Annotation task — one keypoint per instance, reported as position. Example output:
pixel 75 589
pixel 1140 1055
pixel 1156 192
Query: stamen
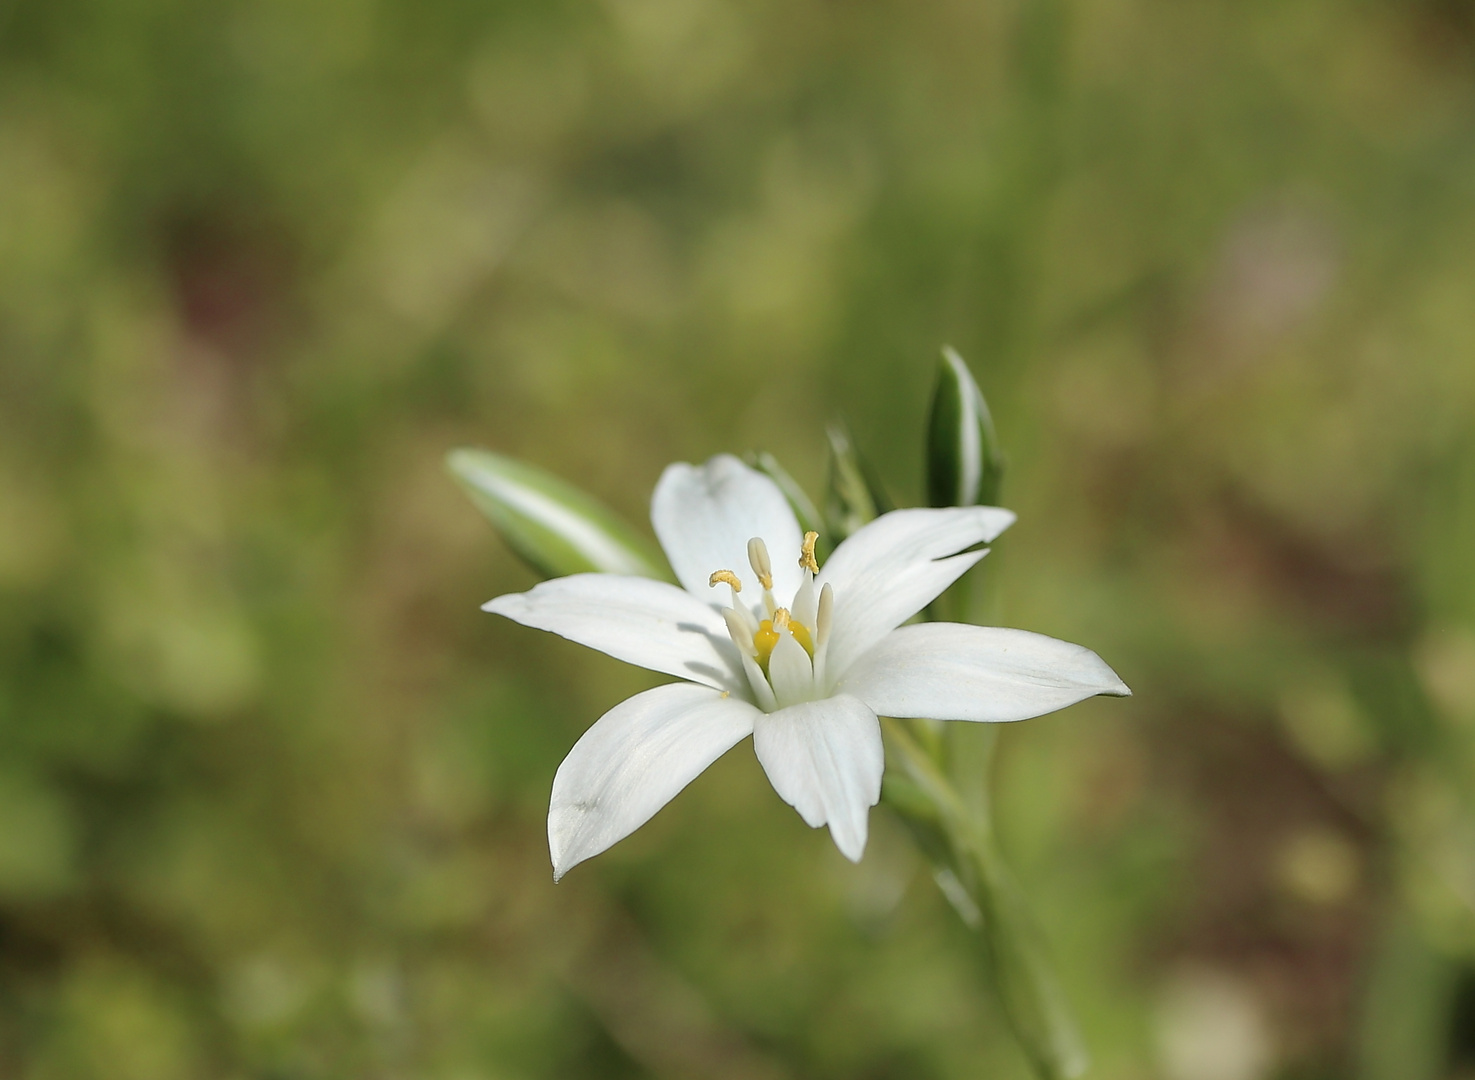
pixel 741 632
pixel 758 680
pixel 824 618
pixel 726 577
pixel 762 565
pixel 806 556
pixel 808 623
pixel 803 607
pixel 742 612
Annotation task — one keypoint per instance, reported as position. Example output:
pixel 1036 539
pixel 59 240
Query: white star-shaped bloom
pixel 802 658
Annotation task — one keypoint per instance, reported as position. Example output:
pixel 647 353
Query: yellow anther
pixel 781 619
pixel 806 557
pixel 725 577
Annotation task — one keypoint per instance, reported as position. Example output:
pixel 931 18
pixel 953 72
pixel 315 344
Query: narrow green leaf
pixel 855 493
pixel 958 895
pixel 556 527
pixel 965 466
pixel 803 506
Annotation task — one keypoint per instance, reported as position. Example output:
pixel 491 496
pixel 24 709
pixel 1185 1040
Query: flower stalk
pixel 943 792
pixel 972 875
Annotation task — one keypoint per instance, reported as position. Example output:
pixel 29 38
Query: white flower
pixel 802 658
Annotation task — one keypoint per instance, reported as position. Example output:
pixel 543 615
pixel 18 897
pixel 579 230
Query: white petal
pixel 705 515
pixel 824 758
pixel 947 671
pixel 791 672
pixel 633 761
pixel 897 565
pixel 648 623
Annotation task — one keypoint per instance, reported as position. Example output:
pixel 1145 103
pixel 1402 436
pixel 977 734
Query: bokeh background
pixel 272 789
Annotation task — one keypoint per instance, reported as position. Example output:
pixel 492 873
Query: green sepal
pixel 555 527
pixel 855 495
pixel 965 466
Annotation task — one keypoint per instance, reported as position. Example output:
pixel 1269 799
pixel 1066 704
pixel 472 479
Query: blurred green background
pixel 272 789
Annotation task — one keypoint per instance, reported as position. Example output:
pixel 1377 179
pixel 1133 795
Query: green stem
pixel 973 875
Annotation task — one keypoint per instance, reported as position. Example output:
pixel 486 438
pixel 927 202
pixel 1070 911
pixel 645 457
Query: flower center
pixel 798 674
pixel 770 630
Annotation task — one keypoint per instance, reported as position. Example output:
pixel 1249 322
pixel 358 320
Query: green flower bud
pixel 964 464
pixel 553 525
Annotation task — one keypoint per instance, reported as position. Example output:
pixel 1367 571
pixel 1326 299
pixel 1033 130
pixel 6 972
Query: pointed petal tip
pixel 850 851
pixel 558 855
pixel 508 605
pixel 850 840
pixel 954 671
pixel 998 519
pixel 1115 687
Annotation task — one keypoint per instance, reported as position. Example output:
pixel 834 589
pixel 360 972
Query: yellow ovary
pixel 769 631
